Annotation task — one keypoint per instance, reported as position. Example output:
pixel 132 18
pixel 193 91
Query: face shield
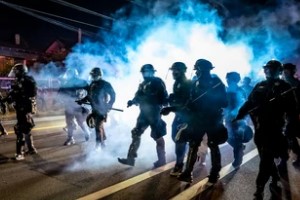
pixel 147 74
pixel 11 74
pixel 95 77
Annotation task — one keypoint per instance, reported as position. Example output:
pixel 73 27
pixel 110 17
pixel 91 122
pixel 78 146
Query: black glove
pixel 79 101
pixel 130 103
pixel 166 110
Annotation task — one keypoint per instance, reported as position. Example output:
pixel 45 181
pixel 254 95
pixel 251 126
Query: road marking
pixel 199 187
pixel 187 194
pixel 41 128
pixel 127 183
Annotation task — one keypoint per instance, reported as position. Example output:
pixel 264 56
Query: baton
pixel 115 109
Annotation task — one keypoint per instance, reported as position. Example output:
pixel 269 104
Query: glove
pixel 79 102
pixel 165 110
pixel 130 103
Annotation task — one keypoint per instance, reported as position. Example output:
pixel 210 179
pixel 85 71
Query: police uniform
pixel 150 96
pixel 23 94
pixel 208 98
pixel 270 102
pixel 179 98
pixel 102 96
pixel 295 132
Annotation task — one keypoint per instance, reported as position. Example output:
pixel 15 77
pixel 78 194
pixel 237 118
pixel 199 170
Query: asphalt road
pixel 81 172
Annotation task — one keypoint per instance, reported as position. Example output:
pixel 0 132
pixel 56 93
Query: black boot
pixel 127 161
pixel 132 152
pixel 187 176
pixel 238 153
pixel 259 194
pixel 216 164
pixel 161 153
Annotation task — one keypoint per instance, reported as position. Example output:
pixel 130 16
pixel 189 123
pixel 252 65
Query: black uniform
pixel 150 96
pixel 268 104
pixel 23 95
pixel 288 75
pixel 179 98
pixel 68 93
pixel 102 96
pixel 208 98
pixel 3 111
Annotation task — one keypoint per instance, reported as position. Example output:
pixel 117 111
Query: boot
pixel 127 161
pixel 187 176
pixel 216 164
pixel 259 193
pixel 238 153
pixel 176 171
pixel 161 154
pixel 132 152
pixel 69 141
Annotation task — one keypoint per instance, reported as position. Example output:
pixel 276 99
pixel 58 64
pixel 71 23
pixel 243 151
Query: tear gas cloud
pixel 187 32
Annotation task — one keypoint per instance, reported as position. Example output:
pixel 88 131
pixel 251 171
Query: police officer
pixel 208 98
pixel 3 110
pixel 236 97
pixel 69 91
pixel 289 71
pixel 246 85
pixel 268 104
pixel 23 94
pixel 101 96
pixel 150 96
pixel 179 98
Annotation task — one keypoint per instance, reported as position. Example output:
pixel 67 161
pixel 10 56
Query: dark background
pixel 37 34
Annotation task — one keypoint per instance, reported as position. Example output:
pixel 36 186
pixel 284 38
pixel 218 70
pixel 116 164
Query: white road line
pixel 41 128
pixel 187 194
pixel 200 186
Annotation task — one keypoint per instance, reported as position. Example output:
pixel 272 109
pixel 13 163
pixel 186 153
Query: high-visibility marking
pixel 186 194
pixel 201 186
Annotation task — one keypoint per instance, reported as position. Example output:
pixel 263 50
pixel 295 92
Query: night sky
pixel 38 34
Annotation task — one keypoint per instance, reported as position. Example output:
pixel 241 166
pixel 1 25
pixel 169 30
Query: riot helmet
pixel 96 73
pixel 289 70
pixel 233 77
pixel 290 67
pixel 148 71
pixel 180 66
pixel 272 69
pixel 18 70
pixel 203 65
pixel 246 80
pixel 178 69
